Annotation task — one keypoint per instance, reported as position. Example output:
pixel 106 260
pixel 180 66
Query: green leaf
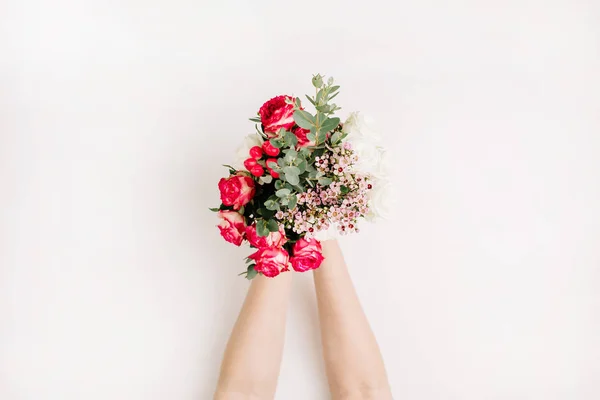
pixel 291 170
pixel 311 136
pixel 215 209
pixel 257 120
pixel 276 143
pixel 292 178
pixel 272 205
pixel 333 88
pixel 320 95
pixel 292 202
pixel 273 165
pixel 333 97
pixel 273 226
pixel 302 166
pixel 266 178
pixel 241 210
pixel 283 192
pixel 291 139
pixel 251 272
pixel 317 81
pixel 324 108
pixel 321 137
pixel 324 181
pixel 304 119
pixel 228 166
pixel 335 138
pixel 261 227
pixel 311 100
pixel 267 214
pixel 330 124
pixel 298 104
pixel 330 81
pixel 279 184
pixel 344 189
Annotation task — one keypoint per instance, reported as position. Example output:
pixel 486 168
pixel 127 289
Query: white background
pixel 115 117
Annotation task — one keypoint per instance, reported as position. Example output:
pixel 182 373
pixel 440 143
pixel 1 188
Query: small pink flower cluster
pixel 340 203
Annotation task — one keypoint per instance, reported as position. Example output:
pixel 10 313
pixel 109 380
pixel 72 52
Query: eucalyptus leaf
pixel 283 192
pixel 291 170
pixel 273 165
pixel 257 120
pixel 292 178
pixel 304 119
pixel 324 181
pixel 330 124
pixel 261 227
pixel 311 137
pixel 311 100
pixel 317 81
pixel 302 166
pixel 215 209
pixel 293 202
pixel 335 138
pixel 251 272
pixel 321 137
pixel 272 205
pixel 279 184
pixel 273 226
pixel 266 179
pixel 276 143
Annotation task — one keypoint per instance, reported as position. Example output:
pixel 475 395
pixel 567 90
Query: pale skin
pixel 354 365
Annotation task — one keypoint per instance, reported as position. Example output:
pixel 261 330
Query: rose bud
pixel 256 152
pixel 250 163
pixel 269 149
pixel 257 170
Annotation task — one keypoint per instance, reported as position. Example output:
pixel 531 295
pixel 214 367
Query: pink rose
pixel 276 114
pixel 301 135
pixel 270 261
pixel 237 190
pixel 307 255
pixel 232 226
pixel 273 239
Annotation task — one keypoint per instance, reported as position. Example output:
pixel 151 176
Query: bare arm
pixel 354 365
pixel 253 355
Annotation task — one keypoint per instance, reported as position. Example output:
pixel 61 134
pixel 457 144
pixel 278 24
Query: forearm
pixel 354 365
pixel 252 358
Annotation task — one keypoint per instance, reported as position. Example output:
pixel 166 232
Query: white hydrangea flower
pixel 373 159
pixel 382 200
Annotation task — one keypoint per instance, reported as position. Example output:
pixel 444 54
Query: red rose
pixel 270 261
pixel 237 190
pixel 301 135
pixel 269 149
pixel 307 255
pixel 273 239
pixel 276 114
pixel 232 226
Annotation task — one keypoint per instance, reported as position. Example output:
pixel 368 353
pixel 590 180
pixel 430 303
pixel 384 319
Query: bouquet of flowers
pixel 301 178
